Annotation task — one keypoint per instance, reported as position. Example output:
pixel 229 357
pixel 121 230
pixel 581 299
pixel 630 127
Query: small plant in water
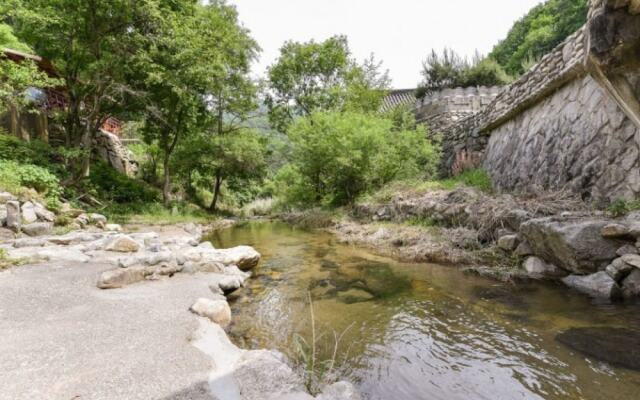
pixel 317 358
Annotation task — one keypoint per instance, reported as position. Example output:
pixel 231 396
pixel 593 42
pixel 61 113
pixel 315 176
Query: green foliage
pixel 108 184
pixel 476 178
pixel 15 79
pixel 10 41
pixel 17 177
pixel 338 156
pixel 449 70
pixel 538 32
pixel 622 207
pixel 313 77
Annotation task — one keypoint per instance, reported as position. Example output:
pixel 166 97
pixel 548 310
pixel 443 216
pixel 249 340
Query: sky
pixel 399 32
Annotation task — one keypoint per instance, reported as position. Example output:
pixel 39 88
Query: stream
pixel 420 331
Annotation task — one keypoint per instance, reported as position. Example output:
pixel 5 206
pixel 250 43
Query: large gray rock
pixel 43 214
pixel 339 391
pixel 29 215
pixel 616 346
pixel 14 218
pixel 571 243
pixel 118 278
pixel 244 257
pixel 230 284
pixel 618 269
pixel 5 197
pixel 217 311
pixel 627 249
pixel 97 218
pixel 264 374
pixel 632 259
pixel 538 269
pixel 614 230
pixel 631 284
pixel 599 285
pixel 37 228
pixel 3 215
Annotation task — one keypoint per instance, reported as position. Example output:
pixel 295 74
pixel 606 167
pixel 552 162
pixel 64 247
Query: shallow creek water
pixel 421 331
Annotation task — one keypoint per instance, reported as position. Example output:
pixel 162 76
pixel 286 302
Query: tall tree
pixel 195 77
pixel 89 43
pixel 311 77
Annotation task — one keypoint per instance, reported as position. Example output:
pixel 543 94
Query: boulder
pixel 230 284
pixel 508 242
pixel 43 214
pixel 631 284
pixel 113 228
pixel 632 259
pixel 614 231
pixel 97 219
pixel 339 391
pixel 523 250
pixel 5 197
pixel 13 220
pixel 617 346
pixel 618 269
pixel 82 220
pixel 265 375
pixel 3 215
pixel 515 218
pixel 627 249
pixel 28 213
pixel 123 244
pixel 244 257
pixel 571 243
pixel 37 228
pixel 598 285
pixel 538 269
pixel 118 278
pixel 217 311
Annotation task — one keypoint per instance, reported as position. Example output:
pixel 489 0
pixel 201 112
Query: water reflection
pixel 423 331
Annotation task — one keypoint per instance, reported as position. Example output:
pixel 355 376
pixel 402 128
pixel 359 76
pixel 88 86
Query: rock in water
pixel 617 346
pixel 619 269
pixel 574 244
pixel 631 284
pixel 537 269
pixel 217 311
pixel 123 244
pixel 13 220
pixel 230 284
pixel 599 285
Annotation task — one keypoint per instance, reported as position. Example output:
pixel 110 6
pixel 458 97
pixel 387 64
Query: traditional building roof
pixel 398 97
pixel 44 64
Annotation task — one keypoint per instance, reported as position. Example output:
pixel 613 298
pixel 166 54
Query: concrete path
pixel 63 338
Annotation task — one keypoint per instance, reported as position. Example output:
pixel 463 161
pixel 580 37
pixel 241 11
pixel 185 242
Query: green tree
pixel 195 77
pixel 450 70
pixel 542 29
pixel 337 156
pixel 311 77
pixel 90 43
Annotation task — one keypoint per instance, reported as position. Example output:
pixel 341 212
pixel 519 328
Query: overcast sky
pixel 398 32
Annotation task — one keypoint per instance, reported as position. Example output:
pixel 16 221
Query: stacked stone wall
pixel 572 121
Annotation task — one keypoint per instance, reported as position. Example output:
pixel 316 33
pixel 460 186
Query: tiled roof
pixel 399 97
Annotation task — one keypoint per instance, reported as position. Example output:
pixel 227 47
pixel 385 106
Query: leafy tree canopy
pixel 538 32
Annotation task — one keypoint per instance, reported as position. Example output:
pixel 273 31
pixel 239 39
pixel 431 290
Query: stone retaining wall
pixel 572 121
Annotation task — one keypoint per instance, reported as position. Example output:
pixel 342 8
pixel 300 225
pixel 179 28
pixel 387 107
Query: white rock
pixel 123 244
pixel 5 197
pixel 113 228
pixel 96 218
pixel 13 220
pixel 28 213
pixel 37 228
pixel 599 284
pixel 537 268
pixel 43 214
pixel 339 391
pixel 217 311
pixel 3 215
pixel 508 242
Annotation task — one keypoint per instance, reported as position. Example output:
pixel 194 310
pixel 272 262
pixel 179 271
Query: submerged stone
pixel 616 346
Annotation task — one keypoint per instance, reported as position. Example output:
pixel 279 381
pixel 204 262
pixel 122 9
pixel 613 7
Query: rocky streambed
pixel 104 314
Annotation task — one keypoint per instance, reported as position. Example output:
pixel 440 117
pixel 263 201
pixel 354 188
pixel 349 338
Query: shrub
pixel 109 184
pixel 16 178
pixel 338 156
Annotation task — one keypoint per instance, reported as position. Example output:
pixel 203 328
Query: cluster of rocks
pixel 596 255
pixel 34 219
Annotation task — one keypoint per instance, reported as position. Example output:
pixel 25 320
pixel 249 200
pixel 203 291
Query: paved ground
pixel 63 338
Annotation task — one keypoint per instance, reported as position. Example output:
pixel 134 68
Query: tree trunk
pixel 166 186
pixel 216 193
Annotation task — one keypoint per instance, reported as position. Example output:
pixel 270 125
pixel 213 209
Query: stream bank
pixel 549 236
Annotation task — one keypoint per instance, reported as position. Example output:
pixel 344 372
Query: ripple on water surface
pixel 422 331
